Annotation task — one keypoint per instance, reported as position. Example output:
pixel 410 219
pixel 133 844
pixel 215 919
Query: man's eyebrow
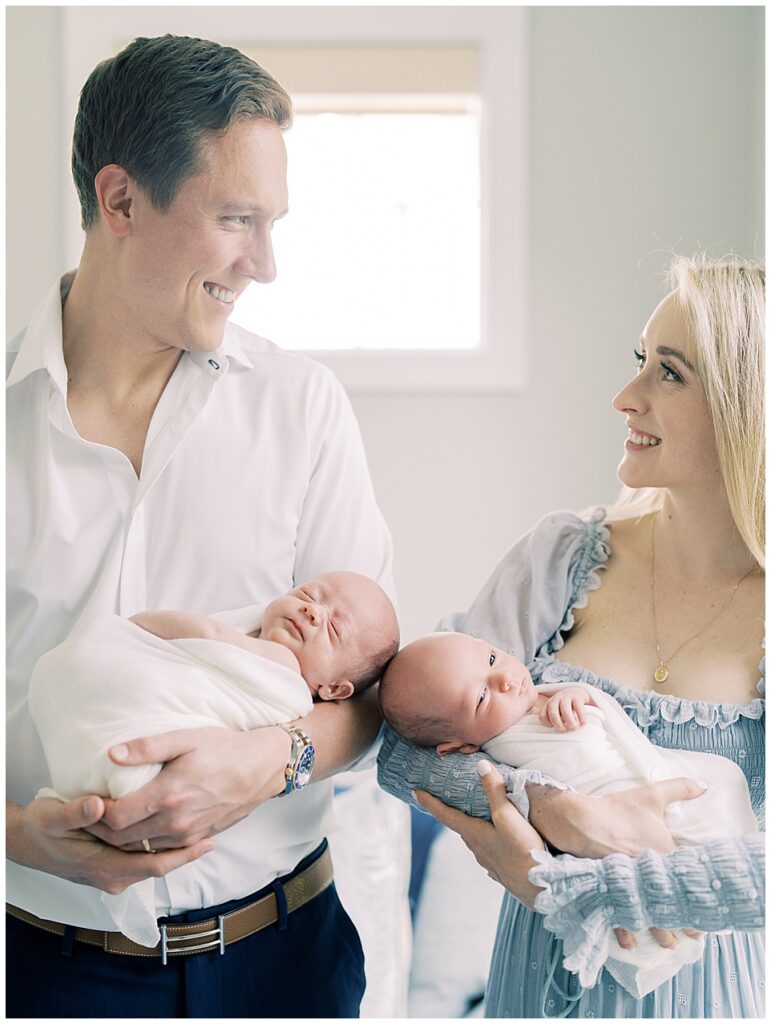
pixel 247 207
pixel 665 350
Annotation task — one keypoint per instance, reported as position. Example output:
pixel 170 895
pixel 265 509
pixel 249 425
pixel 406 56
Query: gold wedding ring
pixel 148 848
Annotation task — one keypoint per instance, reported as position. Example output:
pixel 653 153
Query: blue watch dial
pixel 304 767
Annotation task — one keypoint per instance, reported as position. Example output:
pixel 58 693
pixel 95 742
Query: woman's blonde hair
pixel 724 303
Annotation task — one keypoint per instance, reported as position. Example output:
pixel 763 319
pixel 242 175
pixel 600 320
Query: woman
pixel 673 629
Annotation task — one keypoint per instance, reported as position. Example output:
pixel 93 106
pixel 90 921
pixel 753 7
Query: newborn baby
pixel 456 693
pixel 117 679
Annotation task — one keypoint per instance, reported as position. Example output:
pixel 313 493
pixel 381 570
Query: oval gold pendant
pixel 661 674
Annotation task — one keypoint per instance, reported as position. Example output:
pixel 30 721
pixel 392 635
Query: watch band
pixel 301 759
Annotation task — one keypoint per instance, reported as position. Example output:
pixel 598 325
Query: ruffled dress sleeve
pixel 711 888
pixel 528 598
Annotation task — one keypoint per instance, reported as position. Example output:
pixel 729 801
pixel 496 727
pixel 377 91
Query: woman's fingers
pixel 448 816
pixel 692 933
pixel 665 938
pixel 625 938
pixel 493 785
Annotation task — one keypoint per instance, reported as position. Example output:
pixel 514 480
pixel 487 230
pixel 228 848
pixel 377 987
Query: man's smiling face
pixel 182 268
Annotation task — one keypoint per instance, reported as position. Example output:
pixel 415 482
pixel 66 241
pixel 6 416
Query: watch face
pixel 304 767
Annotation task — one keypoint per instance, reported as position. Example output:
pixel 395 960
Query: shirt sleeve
pixel 710 888
pixel 529 596
pixel 341 526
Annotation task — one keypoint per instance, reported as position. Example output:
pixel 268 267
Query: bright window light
pixel 381 248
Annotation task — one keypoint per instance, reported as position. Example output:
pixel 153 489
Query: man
pixel 159 457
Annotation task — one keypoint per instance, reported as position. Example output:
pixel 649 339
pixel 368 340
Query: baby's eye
pixel 482 696
pixel 492 658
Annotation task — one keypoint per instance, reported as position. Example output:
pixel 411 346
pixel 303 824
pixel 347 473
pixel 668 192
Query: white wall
pixel 645 134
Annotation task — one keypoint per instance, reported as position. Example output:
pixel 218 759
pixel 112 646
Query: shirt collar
pixel 41 344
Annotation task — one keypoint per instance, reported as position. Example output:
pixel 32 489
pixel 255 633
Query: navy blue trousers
pixel 309 965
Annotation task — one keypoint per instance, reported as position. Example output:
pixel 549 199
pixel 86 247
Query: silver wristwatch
pixel 301 760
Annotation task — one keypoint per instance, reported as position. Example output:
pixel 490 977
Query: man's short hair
pixel 151 106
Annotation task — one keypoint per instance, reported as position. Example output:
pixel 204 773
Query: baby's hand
pixel 565 709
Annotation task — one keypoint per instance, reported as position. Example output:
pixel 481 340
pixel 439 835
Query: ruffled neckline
pixel 647 704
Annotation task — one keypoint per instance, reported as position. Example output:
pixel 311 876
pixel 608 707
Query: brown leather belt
pixel 216 932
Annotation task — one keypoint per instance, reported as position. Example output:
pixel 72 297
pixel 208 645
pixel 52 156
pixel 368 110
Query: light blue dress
pixel 525 607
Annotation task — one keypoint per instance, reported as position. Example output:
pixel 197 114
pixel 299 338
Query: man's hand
pixel 503 847
pixel 564 710
pixel 49 836
pixel 211 779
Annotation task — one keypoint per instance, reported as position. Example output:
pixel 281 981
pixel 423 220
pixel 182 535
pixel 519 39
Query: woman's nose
pixel 631 398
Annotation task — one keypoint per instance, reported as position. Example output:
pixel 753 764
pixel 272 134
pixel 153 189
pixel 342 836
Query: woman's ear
pixel 336 691
pixel 452 746
pixel 114 186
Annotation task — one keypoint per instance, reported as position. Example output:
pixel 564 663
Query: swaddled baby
pixel 117 679
pixel 456 693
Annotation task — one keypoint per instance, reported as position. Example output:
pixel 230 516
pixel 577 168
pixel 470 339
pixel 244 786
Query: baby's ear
pixel 452 746
pixel 336 691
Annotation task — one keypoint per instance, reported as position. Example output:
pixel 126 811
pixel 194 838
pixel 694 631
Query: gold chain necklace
pixel 661 673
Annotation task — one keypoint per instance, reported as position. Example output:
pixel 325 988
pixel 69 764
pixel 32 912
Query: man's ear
pixel 336 691
pixel 114 186
pixel 452 746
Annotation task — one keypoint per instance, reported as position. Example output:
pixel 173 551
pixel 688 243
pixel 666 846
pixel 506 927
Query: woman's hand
pixel 503 847
pixel 49 835
pixel 629 821
pixel 211 779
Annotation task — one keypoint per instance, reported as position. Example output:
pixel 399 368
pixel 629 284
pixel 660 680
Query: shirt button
pixel 717 884
pixel 742 753
pixel 704 858
pixel 603 887
pixel 752 893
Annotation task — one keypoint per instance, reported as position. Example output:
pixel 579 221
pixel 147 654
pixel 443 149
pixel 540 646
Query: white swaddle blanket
pixel 113 681
pixel 608 754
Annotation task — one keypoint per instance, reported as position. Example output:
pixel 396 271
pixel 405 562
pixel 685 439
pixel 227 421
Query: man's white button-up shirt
pixel 253 477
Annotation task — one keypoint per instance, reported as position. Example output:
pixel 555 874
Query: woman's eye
pixel 492 658
pixel 671 374
pixel 639 359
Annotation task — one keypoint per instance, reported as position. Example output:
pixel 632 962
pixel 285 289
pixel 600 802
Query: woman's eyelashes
pixel 669 373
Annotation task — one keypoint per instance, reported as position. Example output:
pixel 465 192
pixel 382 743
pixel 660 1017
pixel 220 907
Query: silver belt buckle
pixel 215 936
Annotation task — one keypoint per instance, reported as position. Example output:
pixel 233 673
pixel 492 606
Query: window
pixel 402 263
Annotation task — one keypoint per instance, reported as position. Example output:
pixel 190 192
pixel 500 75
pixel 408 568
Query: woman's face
pixel 671 438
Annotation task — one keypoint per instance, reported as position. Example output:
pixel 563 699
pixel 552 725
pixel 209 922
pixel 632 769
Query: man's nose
pixel 258 260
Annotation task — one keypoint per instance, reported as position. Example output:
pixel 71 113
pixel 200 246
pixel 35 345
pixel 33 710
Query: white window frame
pixel 90 34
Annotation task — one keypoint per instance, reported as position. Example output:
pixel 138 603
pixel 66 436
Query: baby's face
pixel 478 689
pixel 331 624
